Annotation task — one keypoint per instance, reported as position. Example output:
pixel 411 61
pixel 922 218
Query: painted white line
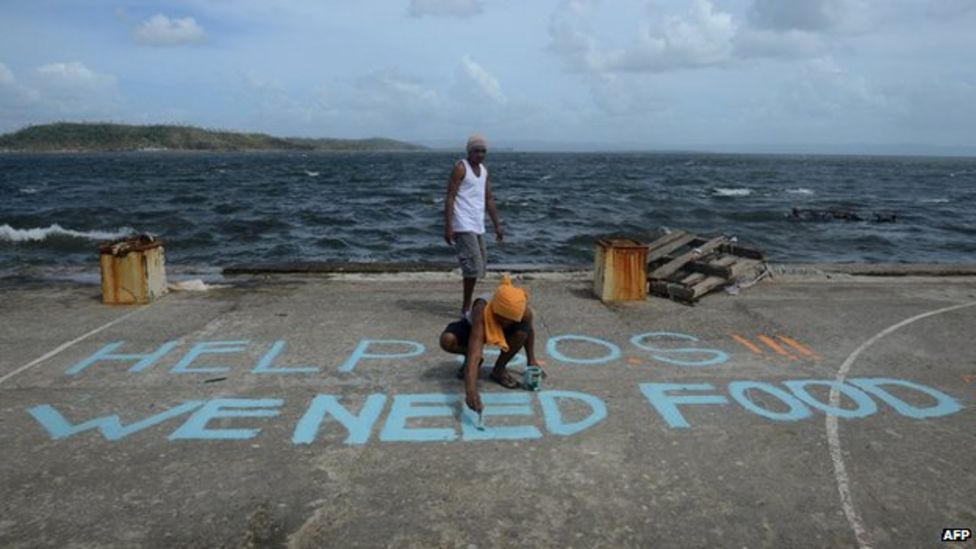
pixel 64 346
pixel 833 438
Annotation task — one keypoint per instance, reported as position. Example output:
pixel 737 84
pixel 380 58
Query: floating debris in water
pixel 842 214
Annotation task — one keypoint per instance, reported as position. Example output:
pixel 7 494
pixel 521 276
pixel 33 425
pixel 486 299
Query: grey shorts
pixel 472 255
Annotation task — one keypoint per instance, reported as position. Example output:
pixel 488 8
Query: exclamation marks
pixel 786 347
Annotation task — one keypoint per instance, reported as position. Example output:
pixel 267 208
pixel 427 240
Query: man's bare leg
pixel 468 292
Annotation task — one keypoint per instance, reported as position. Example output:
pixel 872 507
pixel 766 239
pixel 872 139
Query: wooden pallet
pixel 684 267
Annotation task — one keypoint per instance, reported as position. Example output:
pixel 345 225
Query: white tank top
pixel 469 205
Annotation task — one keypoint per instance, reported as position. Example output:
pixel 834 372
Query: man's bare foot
pixel 505 379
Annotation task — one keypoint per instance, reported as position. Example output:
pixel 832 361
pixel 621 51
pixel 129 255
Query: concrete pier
pixel 823 407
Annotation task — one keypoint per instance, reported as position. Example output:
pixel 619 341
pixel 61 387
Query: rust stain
pixel 621 270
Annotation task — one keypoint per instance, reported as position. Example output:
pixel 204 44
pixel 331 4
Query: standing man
pixel 468 196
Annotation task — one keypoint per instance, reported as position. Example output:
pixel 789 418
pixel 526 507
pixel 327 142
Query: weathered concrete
pixel 733 478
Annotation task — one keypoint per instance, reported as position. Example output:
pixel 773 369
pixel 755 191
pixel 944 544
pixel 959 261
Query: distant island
pixel 96 137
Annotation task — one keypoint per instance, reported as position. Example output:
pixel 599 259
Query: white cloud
pixel 389 93
pixel 6 76
pixel 14 96
pixel 701 38
pixel 779 43
pixel 824 90
pixel 445 8
pixel 816 15
pixel 72 79
pixel 56 91
pixel 161 31
pixel 474 83
pixel 270 104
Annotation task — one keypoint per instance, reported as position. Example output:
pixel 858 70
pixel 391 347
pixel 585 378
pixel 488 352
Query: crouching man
pixel 503 320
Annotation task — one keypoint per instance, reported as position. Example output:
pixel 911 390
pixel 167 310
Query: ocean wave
pixel 731 191
pixel 936 201
pixel 799 190
pixel 28 190
pixel 10 234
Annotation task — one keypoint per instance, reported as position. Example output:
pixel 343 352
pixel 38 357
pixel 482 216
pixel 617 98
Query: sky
pixel 733 75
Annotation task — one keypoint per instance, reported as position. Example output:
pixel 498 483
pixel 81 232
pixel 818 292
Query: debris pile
pixel 683 266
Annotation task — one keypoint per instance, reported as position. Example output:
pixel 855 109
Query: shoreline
pixel 435 271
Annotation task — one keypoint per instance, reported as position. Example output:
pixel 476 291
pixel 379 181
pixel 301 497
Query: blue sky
pixel 720 74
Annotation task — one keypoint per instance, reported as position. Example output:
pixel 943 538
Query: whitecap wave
pixel 799 190
pixel 728 191
pixel 936 201
pixel 28 190
pixel 311 173
pixel 10 234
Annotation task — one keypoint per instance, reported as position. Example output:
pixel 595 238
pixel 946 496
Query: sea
pixel 214 210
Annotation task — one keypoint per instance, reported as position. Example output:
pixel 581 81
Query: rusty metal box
pixel 620 270
pixel 133 270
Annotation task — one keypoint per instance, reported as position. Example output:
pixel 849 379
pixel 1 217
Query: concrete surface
pixel 215 444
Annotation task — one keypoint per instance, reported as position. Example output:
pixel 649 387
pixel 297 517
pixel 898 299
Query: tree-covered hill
pixel 92 137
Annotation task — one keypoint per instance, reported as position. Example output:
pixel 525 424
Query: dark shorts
pixel 462 330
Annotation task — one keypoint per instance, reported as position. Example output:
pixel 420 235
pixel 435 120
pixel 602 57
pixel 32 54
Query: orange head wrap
pixel 508 302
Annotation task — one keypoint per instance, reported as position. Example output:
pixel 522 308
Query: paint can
pixel 532 378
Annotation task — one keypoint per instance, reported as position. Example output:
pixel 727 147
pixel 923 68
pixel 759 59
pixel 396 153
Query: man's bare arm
pixel 530 340
pixel 492 210
pixel 476 344
pixel 453 184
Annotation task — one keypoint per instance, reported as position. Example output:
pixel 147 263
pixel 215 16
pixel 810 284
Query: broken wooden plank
pixel 671 290
pixel 744 251
pixel 706 286
pixel 655 253
pixel 722 266
pixel 744 266
pixel 677 263
pixel 666 239
pixel 692 279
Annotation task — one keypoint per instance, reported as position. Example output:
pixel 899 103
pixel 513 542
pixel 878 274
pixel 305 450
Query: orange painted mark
pixel 775 346
pixel 803 349
pixel 968 378
pixel 747 344
pixel 633 360
pixel 541 362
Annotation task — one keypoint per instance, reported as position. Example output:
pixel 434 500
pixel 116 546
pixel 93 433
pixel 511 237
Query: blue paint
pixel 613 354
pixel 359 427
pixel 360 352
pixel 196 426
pixel 208 347
pixel 717 357
pixel 496 405
pixel 405 407
pixel 665 404
pixel 554 417
pixel 865 405
pixel 739 391
pixel 266 364
pixel 944 404
pixel 105 353
pixel 110 426
pixel 492 353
